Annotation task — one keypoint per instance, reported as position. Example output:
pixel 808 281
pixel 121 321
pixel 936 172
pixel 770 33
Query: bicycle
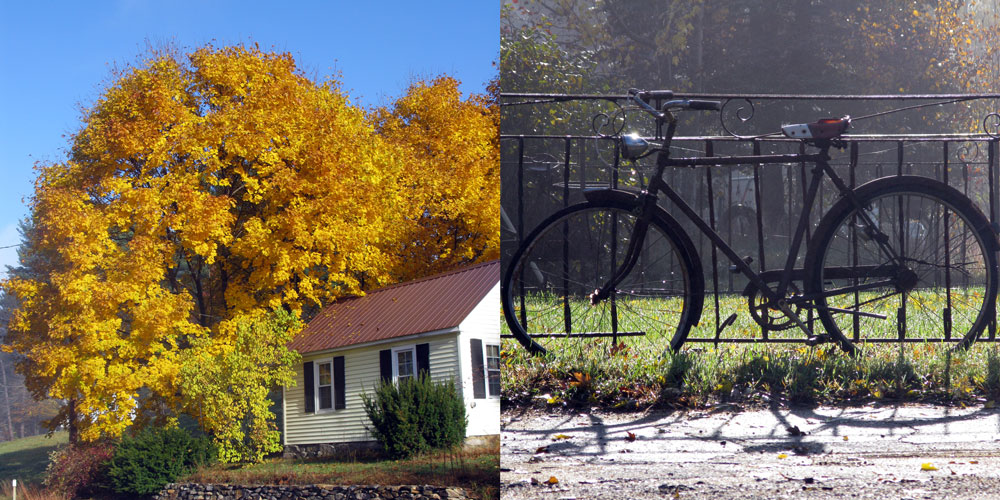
pixel 896 252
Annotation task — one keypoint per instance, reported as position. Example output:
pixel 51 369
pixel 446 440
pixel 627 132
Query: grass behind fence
pixel 631 377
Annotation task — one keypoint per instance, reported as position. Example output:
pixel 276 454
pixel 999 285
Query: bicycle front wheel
pixel 916 262
pixel 547 287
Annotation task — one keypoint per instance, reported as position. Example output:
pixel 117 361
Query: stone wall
pixel 309 492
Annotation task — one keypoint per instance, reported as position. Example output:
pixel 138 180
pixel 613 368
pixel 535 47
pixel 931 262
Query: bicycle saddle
pixel 826 128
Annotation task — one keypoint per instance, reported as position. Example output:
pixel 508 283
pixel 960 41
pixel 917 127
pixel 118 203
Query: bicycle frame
pixel 774 296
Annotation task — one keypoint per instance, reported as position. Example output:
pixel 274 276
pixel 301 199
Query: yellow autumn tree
pixel 451 162
pixel 205 191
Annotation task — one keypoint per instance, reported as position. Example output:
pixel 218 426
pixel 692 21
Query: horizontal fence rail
pixel 754 207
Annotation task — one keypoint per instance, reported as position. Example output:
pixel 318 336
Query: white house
pixel 446 324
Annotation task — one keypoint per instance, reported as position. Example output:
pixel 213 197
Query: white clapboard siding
pixel 361 373
pixel 482 323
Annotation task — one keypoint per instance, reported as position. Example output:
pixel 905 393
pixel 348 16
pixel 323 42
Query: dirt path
pixel 868 452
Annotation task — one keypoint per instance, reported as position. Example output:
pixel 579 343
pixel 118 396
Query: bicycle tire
pixel 662 295
pixel 944 290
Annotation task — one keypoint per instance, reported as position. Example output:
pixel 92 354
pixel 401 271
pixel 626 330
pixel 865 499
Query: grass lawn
pixel 25 459
pixel 643 372
pixel 477 470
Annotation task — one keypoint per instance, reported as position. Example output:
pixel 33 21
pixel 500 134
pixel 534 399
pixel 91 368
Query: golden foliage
pixel 204 192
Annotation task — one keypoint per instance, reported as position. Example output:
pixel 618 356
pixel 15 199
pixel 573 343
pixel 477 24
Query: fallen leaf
pixel 557 437
pixel 580 380
pixel 629 437
pixel 845 438
pixel 782 455
pixel 552 480
pixel 928 466
pixel 553 400
pixel 542 449
pixel 795 431
pixel 619 348
pixel 973 461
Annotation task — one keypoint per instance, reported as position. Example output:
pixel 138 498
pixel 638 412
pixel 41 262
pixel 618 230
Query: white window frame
pixel 486 367
pixel 316 385
pixel 395 361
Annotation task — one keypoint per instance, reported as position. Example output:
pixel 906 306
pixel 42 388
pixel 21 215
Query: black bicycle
pixel 897 254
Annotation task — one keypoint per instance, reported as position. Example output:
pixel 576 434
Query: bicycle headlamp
pixel 633 146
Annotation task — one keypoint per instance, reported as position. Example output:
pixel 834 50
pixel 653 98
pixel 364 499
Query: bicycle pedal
pixel 819 339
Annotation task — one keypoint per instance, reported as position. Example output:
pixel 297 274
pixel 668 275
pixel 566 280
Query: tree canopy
pixel 204 192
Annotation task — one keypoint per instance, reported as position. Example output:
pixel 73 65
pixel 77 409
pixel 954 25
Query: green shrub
pixel 144 463
pixel 416 416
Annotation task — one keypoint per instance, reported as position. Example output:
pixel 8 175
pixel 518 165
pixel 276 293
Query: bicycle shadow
pixel 797 429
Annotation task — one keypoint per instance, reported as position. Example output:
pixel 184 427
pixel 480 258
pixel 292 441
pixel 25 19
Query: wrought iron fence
pixel 754 207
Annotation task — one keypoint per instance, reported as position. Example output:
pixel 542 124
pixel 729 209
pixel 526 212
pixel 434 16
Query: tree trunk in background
pixel 699 51
pixel 6 399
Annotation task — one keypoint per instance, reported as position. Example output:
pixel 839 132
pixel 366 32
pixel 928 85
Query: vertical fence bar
pixel 760 219
pixel 810 315
pixel 614 249
pixel 852 179
pixel 946 313
pixel 901 311
pixel 729 220
pixel 567 318
pixel 991 169
pixel 520 223
pixel 709 151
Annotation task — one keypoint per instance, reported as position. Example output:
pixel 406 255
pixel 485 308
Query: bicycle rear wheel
pixel 546 288
pixel 932 278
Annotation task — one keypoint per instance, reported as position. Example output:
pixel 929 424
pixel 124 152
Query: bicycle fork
pixel 632 253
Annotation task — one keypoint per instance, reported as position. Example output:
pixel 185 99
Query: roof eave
pixel 417 336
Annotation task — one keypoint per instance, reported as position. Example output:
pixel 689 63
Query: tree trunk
pixel 73 431
pixel 6 399
pixel 699 50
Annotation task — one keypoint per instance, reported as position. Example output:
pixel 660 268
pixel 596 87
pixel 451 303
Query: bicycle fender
pixel 662 216
pixel 872 187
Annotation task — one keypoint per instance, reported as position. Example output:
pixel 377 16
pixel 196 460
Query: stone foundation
pixel 310 492
pixel 363 449
pixel 357 449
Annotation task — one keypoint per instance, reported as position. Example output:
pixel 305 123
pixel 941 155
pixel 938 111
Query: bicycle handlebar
pixel 642 98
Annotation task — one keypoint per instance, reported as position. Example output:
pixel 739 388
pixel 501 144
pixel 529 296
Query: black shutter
pixel 307 377
pixel 423 359
pixel 339 398
pixel 385 364
pixel 478 370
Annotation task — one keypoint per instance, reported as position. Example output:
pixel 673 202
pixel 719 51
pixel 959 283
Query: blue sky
pixel 56 56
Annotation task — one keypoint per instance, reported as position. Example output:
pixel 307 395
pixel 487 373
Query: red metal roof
pixel 424 305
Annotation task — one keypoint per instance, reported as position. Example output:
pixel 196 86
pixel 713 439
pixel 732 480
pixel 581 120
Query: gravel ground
pixel 902 452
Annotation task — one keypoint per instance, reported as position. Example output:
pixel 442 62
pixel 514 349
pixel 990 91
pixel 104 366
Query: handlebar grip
pixel 646 95
pixel 705 105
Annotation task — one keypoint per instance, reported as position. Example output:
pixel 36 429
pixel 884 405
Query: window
pixel 485 369
pixel 324 385
pixel 403 366
pixel 406 362
pixel 493 368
